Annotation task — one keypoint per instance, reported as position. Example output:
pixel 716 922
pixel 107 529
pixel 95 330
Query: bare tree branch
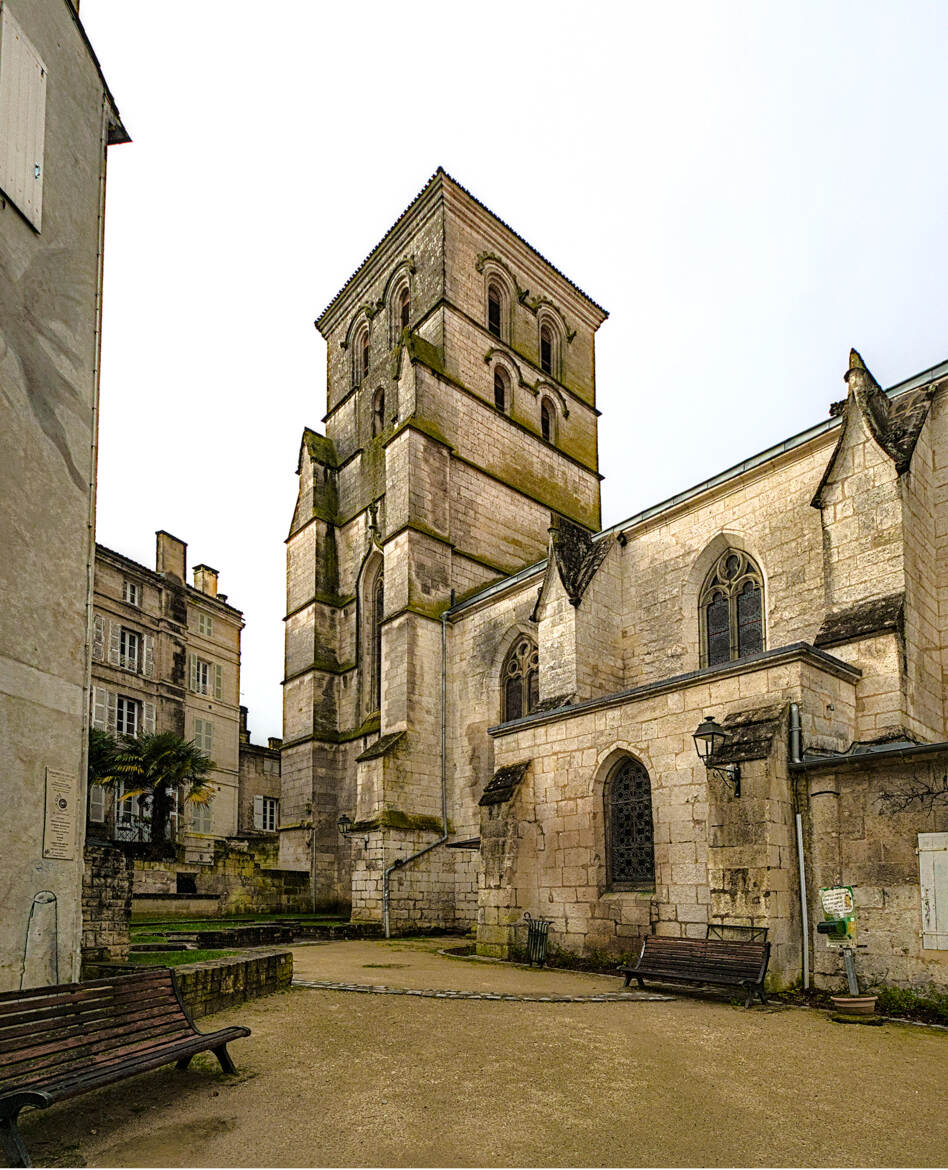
pixel 925 794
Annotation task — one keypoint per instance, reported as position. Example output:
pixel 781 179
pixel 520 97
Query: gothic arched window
pixel 732 611
pixel 549 355
pixel 378 412
pixel 630 839
pixel 373 599
pixel 495 308
pixel 501 389
pixel 547 420
pixel 404 307
pixel 520 680
pixel 360 356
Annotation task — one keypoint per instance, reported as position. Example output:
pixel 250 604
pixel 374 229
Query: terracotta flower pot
pixel 854 1005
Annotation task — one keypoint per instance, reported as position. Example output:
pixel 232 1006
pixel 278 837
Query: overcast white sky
pixel 750 189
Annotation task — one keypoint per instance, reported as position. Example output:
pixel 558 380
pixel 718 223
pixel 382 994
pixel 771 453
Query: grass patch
pixel 175 958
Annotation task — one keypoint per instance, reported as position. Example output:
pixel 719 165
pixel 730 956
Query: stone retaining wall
pixel 216 984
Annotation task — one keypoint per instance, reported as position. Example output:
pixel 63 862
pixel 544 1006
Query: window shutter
pixel 148 656
pixel 933 879
pixel 148 718
pixel 208 737
pixel 258 812
pixel 218 682
pixel 111 723
pixel 115 645
pixel 97 796
pixel 100 710
pixel 98 637
pixel 193 659
pixel 22 119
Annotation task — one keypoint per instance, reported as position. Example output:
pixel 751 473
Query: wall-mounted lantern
pixel 345 826
pixel 709 738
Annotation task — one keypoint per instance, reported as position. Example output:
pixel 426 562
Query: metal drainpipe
pixel 796 757
pixel 403 861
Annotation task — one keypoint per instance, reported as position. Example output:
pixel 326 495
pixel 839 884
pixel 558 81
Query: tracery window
pixel 547 420
pixel 521 679
pixel 501 389
pixel 630 847
pixel 731 605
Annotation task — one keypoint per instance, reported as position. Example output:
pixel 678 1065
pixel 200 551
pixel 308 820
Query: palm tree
pixel 163 766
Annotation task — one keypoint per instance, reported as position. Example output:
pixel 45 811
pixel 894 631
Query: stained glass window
pixel 732 614
pixel 521 679
pixel 630 847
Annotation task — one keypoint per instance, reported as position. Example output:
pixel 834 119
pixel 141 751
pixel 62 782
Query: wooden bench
pixel 728 963
pixel 58 1042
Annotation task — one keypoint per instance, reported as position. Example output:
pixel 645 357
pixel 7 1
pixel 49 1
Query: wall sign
pixel 59 832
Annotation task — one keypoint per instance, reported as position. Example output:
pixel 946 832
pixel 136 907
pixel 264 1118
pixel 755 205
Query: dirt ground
pixel 332 1078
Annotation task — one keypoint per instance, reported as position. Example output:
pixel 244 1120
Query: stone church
pixel 490 703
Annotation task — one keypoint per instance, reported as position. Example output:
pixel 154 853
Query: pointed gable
pixel 895 424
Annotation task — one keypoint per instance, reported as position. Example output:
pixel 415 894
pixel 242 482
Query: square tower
pixel 461 415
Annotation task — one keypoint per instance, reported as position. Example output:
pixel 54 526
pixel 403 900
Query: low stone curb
pixel 431 993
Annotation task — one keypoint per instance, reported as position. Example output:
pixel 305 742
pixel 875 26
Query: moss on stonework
pixel 424 427
pixel 320 448
pixel 393 818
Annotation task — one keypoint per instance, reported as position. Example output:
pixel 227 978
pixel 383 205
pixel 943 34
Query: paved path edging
pixel 527 997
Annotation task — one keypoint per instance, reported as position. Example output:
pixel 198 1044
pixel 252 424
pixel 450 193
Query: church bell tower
pixel 460 416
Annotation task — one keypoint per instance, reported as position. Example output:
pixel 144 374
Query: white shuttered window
pixel 22 119
pixel 933 877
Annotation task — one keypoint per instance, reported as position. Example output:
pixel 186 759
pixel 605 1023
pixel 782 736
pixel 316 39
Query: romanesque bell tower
pixel 461 415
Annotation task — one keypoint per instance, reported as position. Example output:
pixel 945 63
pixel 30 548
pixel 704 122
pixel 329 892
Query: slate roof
pixel 503 783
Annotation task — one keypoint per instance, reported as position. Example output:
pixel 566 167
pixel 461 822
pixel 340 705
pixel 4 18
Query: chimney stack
pixel 171 556
pixel 244 733
pixel 205 579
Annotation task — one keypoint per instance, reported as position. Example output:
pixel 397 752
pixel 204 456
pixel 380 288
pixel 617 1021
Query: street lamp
pixel 345 826
pixel 709 738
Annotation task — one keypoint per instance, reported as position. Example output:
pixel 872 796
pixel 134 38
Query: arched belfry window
pixel 732 610
pixel 520 679
pixel 630 839
pixel 549 356
pixel 501 389
pixel 495 309
pixel 547 420
pixel 360 356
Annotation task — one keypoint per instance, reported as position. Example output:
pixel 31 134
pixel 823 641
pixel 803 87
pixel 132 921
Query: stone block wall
pixel 221 983
pixel 106 903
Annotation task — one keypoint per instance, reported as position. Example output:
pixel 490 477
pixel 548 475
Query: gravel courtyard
pixel 336 1078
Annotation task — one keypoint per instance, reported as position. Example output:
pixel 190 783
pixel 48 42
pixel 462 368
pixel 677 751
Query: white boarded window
pixel 933 878
pixel 129 646
pixel 100 708
pixel 204 735
pixel 22 119
pixel 202 820
pixel 131 593
pixel 127 720
pixel 266 813
pixel 205 625
pixel 98 803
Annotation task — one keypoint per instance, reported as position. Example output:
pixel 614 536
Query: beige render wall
pixel 937 427
pixel 49 281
